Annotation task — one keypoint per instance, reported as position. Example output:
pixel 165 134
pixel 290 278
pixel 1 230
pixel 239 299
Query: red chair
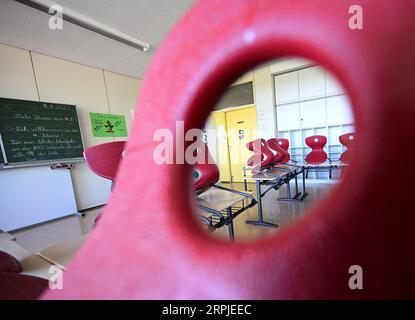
pixel 280 154
pixel 104 159
pixel 347 140
pixel 285 145
pixel 263 157
pixel 317 154
pixel 205 174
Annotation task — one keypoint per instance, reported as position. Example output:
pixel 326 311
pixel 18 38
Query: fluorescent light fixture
pixel 88 23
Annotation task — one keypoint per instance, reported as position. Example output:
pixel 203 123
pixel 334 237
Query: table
pixel 220 202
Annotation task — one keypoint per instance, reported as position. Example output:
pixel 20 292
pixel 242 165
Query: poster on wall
pixel 108 125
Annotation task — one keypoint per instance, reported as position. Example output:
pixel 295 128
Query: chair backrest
pixel 317 154
pixel 104 159
pixel 281 155
pixel 263 156
pixel 206 173
pixel 347 140
pixel 284 144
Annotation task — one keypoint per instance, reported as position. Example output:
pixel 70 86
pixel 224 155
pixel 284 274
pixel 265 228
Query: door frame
pixel 230 109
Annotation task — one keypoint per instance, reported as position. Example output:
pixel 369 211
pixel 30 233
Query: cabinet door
pixel 288 117
pixel 286 87
pixel 339 111
pixel 313 113
pixel 312 82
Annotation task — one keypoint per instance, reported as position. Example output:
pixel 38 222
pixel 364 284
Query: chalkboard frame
pixel 10 165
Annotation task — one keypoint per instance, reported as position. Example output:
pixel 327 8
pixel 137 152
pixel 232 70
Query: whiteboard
pixel 33 195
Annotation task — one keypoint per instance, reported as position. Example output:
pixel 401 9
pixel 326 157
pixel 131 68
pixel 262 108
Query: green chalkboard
pixel 1 158
pixel 33 131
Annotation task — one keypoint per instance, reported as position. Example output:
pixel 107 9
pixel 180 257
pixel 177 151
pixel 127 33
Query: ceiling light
pixel 88 23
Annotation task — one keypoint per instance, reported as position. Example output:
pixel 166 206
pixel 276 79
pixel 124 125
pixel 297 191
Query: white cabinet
pixel 312 83
pixel 288 117
pixel 313 113
pixel 310 102
pixel 339 111
pixel 286 87
pixel 332 85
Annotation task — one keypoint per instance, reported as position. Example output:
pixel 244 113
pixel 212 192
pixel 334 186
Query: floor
pixel 28 243
pixel 274 211
pixel 48 234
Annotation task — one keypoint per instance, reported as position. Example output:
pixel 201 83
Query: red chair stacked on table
pixel 280 146
pixel 263 157
pixel 205 174
pixel 269 163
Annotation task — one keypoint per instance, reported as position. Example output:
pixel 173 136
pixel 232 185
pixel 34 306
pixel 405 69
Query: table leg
pixel 260 221
pixel 230 226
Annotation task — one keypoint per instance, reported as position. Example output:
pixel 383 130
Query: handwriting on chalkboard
pixel 35 131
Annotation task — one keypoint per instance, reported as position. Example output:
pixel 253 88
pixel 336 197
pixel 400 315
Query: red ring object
pixel 148 245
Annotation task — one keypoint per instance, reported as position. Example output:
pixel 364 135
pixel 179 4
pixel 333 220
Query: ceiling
pixel 147 20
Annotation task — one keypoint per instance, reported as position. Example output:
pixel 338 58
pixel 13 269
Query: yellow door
pixel 241 128
pixel 222 146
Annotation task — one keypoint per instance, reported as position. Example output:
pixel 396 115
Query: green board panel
pixel 39 131
pixel 108 125
pixel 1 158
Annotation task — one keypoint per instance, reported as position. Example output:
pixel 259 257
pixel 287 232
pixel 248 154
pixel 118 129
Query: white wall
pixel 32 76
pixel 263 97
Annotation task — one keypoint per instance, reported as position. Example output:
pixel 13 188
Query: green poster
pixel 108 125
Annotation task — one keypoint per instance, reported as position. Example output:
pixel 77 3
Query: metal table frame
pixel 220 218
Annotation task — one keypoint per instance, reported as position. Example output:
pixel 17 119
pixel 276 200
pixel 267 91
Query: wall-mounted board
pixel 34 132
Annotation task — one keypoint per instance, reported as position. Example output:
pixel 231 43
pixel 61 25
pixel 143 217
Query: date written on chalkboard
pixel 35 131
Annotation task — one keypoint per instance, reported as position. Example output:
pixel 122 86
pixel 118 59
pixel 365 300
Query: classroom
pixel 216 150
